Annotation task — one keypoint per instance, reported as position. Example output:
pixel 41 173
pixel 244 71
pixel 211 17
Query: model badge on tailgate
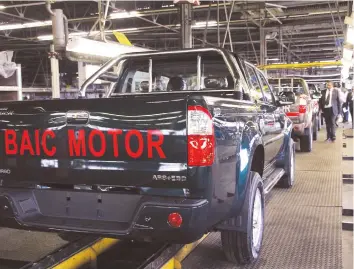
pixel 77 116
pixel 169 178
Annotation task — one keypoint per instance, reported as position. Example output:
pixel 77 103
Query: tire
pixel 287 181
pixel 315 129
pixel 244 247
pixel 306 140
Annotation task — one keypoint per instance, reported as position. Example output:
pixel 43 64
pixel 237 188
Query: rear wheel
pixel 315 129
pixel 244 247
pixel 287 181
pixel 306 140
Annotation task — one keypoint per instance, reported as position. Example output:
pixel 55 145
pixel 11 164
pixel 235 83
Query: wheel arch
pixel 257 162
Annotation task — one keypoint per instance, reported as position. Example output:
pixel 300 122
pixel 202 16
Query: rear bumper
pixel 130 216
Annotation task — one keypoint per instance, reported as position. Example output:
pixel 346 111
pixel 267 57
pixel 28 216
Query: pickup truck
pixel 183 144
pixel 304 112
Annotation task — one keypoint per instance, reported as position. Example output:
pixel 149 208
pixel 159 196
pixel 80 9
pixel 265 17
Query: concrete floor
pixel 347 249
pixel 26 245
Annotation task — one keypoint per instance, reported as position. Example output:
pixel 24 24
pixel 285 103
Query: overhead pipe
pixel 60 25
pixel 49 8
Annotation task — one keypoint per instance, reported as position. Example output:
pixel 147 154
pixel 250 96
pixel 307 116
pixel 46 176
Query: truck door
pixel 266 120
pixel 276 120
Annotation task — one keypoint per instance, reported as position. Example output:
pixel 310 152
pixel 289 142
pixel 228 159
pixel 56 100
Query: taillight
pixel 302 109
pixel 200 133
pixel 175 220
pixel 292 114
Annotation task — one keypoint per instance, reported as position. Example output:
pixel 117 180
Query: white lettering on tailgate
pixel 5 171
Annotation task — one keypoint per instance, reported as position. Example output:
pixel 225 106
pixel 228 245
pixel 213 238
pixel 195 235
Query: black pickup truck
pixel 186 142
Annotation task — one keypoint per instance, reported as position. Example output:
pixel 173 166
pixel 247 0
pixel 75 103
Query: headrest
pixel 175 84
pixel 144 86
pixel 214 82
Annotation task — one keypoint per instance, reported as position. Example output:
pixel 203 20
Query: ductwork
pixel 60 28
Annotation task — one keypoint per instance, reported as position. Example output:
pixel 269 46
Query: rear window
pixel 174 74
pixel 166 73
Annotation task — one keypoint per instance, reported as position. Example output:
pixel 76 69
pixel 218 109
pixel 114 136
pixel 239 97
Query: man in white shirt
pixel 330 105
pixel 345 110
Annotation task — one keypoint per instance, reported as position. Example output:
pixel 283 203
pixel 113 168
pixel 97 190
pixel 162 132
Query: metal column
pixel 54 64
pixel 263 46
pixel 81 73
pixel 186 25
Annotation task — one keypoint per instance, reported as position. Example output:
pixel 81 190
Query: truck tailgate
pixel 123 141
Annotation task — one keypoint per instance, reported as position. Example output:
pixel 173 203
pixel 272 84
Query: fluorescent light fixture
pixel 124 14
pixel 45 37
pixel 319 12
pixel 201 24
pixel 330 66
pixel 274 59
pixel 328 36
pixel 298 16
pixel 123 30
pixel 13 26
pixel 2 7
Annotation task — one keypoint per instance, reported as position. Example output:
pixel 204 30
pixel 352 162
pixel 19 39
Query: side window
pixel 268 96
pixel 256 92
pixel 134 80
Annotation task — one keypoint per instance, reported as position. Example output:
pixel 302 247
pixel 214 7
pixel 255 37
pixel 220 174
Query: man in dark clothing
pixel 350 105
pixel 330 104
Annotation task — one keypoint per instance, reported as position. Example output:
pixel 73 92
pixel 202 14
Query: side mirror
pixel 286 98
pixel 316 95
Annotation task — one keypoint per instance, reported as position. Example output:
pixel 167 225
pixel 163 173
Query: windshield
pixel 166 73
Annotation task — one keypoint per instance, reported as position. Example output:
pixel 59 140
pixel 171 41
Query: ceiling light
pixel 273 59
pixel 124 14
pixel 13 26
pixel 125 30
pixel 201 24
pixel 45 37
pixel 329 36
pixel 329 66
pixel 319 12
pixel 2 7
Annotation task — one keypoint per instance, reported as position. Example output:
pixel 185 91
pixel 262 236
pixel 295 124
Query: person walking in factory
pixel 349 100
pixel 331 104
